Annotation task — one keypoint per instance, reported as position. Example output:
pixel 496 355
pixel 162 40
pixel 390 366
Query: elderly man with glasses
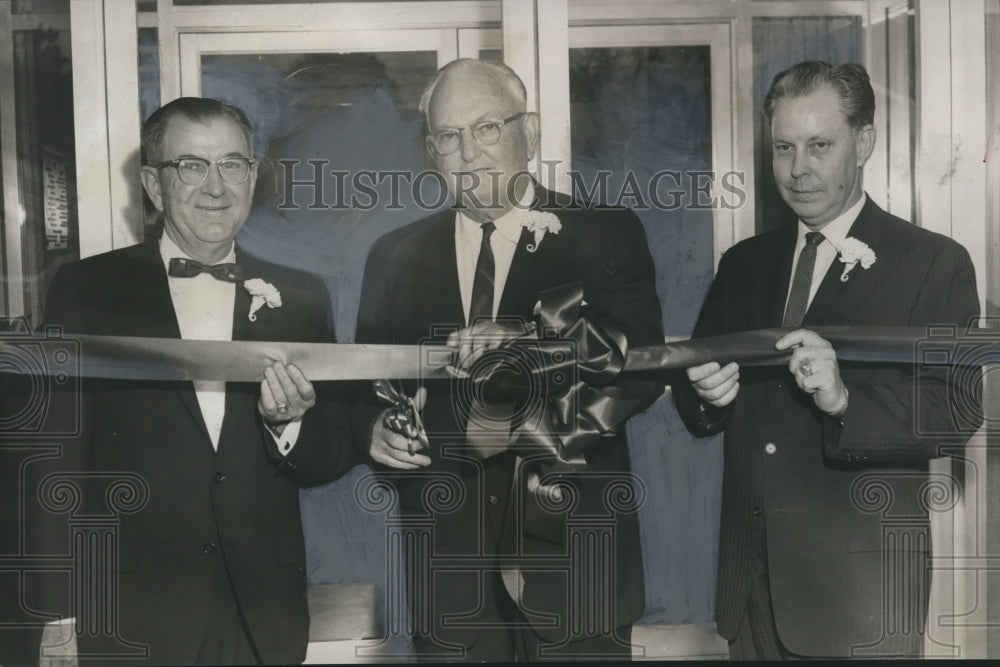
pixel 503 574
pixel 212 569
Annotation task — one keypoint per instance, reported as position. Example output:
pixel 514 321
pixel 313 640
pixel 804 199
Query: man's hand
pixel 552 492
pixel 58 645
pixel 285 394
pixel 395 449
pixel 815 369
pixel 484 335
pixel 715 385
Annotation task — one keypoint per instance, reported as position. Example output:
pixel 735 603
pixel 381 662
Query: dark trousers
pixel 757 637
pixel 502 634
pixel 226 640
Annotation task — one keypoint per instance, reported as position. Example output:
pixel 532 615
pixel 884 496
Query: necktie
pixel 481 305
pixel 182 267
pixel 488 425
pixel 798 297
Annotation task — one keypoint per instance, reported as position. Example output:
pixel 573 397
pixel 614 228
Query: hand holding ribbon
pixel 814 366
pixel 285 395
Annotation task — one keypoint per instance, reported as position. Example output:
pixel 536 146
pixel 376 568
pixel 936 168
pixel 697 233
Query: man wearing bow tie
pixel 811 562
pixel 519 595
pixel 212 569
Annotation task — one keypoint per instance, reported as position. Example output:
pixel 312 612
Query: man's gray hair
pixel 849 81
pixel 507 78
pixel 195 109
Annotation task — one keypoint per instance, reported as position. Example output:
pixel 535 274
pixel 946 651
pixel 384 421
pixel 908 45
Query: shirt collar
pixel 836 230
pixel 508 225
pixel 169 250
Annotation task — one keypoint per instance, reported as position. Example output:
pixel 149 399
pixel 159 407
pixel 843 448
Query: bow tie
pixel 182 267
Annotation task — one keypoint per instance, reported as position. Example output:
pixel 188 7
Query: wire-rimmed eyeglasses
pixel 194 170
pixel 486 132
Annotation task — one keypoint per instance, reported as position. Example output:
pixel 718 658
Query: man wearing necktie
pixel 810 563
pixel 212 569
pixel 496 581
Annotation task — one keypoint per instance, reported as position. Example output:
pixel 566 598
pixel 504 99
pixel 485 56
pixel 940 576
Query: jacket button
pixel 757 511
pixel 494 500
pixel 208 547
pixel 770 448
pixel 219 477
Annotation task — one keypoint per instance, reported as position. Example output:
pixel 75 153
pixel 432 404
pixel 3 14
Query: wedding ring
pixel 409 445
pixel 282 407
pixel 806 369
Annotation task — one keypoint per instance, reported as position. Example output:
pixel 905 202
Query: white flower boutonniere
pixel 262 292
pixel 539 222
pixel 853 251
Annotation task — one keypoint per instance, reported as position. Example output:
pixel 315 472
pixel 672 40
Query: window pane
pixel 638 112
pixel 779 43
pixel 41 190
pixel 339 116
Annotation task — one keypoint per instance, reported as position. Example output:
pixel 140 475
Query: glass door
pixel 651 120
pixel 339 137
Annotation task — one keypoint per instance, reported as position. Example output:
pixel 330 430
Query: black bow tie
pixel 182 267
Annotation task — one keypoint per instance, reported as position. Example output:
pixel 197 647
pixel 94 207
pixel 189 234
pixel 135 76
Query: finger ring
pixel 282 407
pixel 806 369
pixel 409 445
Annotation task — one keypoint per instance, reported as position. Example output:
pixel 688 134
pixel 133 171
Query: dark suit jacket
pixel 207 510
pixel 842 505
pixel 411 294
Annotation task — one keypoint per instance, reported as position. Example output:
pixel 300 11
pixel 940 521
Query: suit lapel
pixel 778 274
pixel 241 398
pixel 866 229
pixel 519 291
pixel 153 306
pixel 446 296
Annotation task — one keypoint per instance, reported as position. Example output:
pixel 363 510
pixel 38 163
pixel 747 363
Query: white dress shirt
pixel 834 233
pixel 503 241
pixel 204 305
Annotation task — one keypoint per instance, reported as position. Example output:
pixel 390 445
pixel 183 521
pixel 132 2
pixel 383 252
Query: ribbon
pixel 169 359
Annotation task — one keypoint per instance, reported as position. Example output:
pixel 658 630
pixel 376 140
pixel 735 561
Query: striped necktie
pixel 481 305
pixel 798 297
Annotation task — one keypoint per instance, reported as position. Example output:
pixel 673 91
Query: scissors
pixel 404 418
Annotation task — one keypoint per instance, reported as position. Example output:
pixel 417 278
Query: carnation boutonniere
pixel 262 292
pixel 539 222
pixel 853 251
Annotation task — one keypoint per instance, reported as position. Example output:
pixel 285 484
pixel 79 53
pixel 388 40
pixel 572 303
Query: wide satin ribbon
pixel 601 353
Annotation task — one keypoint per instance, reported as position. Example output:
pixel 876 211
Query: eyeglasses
pixel 194 170
pixel 486 132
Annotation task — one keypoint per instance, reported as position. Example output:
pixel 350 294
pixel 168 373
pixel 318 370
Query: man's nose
pixel 470 147
pixel 214 185
pixel 800 165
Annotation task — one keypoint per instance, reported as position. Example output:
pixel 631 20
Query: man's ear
pixel 151 184
pixel 530 125
pixel 864 143
pixel 253 179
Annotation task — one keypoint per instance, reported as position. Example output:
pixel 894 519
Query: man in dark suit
pixel 825 537
pixel 211 567
pixel 518 595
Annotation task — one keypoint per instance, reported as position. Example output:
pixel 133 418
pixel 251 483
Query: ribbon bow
pixel 182 267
